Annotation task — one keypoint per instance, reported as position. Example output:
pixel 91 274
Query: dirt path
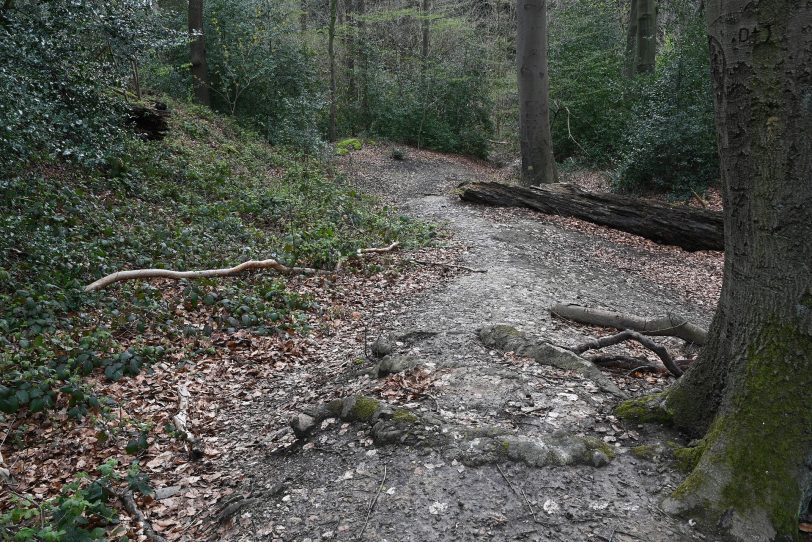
pixel 491 455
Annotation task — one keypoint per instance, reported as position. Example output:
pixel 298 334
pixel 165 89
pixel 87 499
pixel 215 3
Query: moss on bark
pixel 750 469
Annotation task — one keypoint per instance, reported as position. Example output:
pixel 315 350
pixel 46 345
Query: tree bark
pixel 197 53
pixel 686 227
pixel 646 35
pixel 631 41
pixel 331 35
pixel 538 163
pixel 425 24
pixel 748 392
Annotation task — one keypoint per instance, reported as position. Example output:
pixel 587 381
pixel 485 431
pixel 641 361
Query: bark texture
pixel 197 53
pixel 646 36
pixel 749 390
pixel 538 163
pixel 691 229
pixel 331 55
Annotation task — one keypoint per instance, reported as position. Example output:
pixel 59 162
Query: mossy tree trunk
pixel 641 37
pixel 749 392
pixel 538 164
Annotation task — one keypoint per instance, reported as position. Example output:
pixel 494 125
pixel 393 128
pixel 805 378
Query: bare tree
pixel 538 163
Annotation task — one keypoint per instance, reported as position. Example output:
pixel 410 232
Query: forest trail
pixel 448 482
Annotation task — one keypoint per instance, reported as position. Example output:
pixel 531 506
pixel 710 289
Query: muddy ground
pixel 489 445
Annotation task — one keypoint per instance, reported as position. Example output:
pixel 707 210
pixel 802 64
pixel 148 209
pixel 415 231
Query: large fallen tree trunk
pixel 686 227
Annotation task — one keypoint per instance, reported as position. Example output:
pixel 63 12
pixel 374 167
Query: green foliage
pixel 79 513
pixel 211 195
pixel 671 145
pixel 591 101
pixel 61 63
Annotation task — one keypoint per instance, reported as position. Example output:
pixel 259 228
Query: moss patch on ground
pixel 646 409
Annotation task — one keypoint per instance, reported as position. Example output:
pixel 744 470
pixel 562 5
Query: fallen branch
pixel 181 420
pixel 373 503
pixel 207 273
pixel 451 266
pixel 665 326
pixel 380 250
pixel 626 335
pixel 128 501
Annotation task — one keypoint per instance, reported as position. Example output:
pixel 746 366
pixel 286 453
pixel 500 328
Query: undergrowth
pixel 210 195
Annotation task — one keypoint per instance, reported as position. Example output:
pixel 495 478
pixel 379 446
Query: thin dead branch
pixel 380 250
pixel 128 501
pixel 451 266
pixel 665 326
pixel 181 422
pixel 207 273
pixel 626 335
pixel 372 504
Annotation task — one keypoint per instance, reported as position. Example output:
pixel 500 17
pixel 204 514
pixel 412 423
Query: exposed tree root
pixel 128 501
pixel 626 335
pixel 665 326
pixel 451 266
pixel 180 420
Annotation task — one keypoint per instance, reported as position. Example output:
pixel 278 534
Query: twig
pixel 373 503
pixel 526 500
pixel 126 498
pixel 452 266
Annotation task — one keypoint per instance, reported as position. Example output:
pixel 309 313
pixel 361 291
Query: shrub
pixel 671 145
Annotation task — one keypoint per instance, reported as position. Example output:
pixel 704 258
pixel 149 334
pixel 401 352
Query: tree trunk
pixel 425 31
pixel 303 8
pixel 631 41
pixel 331 54
pixel 350 52
pixel 538 164
pixel 363 61
pixel 646 35
pixel 749 390
pixel 197 53
pixel 691 229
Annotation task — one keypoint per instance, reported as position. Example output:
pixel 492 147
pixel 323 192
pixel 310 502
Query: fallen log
pixel 686 227
pixel 665 326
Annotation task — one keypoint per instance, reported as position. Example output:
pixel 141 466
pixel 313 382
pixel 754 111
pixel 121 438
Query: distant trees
pixel 538 163
pixel 197 53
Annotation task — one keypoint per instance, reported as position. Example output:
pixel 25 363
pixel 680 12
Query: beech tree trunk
pixel 331 54
pixel 646 35
pixel 641 38
pixel 691 229
pixel 363 62
pixel 749 391
pixel 538 163
pixel 197 53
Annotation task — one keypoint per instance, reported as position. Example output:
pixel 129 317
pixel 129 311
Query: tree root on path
pixel 665 326
pixel 627 335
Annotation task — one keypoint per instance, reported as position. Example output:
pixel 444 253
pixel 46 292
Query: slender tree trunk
pixel 197 53
pixel 331 54
pixel 351 52
pixel 425 24
pixel 749 392
pixel 303 9
pixel 363 61
pixel 646 35
pixel 631 41
pixel 538 164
